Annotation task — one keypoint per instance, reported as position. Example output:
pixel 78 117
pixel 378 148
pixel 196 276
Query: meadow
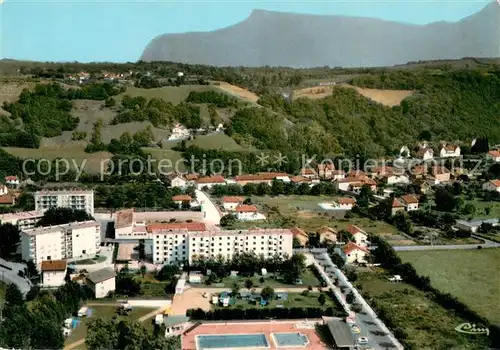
pixel 470 275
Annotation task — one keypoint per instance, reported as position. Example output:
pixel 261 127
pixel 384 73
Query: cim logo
pixel 468 328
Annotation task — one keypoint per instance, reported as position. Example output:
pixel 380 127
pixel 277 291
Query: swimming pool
pixel 290 339
pixel 232 341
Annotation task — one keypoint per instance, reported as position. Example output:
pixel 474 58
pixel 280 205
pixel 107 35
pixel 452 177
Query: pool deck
pixel 248 327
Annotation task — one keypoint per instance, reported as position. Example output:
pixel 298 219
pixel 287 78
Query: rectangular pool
pixel 232 341
pixel 290 340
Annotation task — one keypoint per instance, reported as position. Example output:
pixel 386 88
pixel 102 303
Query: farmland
pixel 465 274
pixel 237 91
pixel 423 323
pixel 173 94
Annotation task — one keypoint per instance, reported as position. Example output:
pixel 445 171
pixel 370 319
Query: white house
pixel 179 287
pixel 12 180
pixel 404 152
pixel 178 181
pixel 345 203
pixel 179 132
pixel 181 199
pixel 396 179
pixel 352 253
pixel 494 156
pixel 425 153
pixel 209 181
pixel 3 190
pixel 247 212
pixel 230 203
pixel 449 151
pixel 410 201
pixel 102 282
pixel 360 236
pixel 492 185
pixel 53 273
pixel 175 325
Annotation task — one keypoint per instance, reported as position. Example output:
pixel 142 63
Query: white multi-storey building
pixel 75 199
pixel 24 220
pixel 69 241
pixel 183 245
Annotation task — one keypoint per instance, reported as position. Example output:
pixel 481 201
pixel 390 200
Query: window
pixel 84 252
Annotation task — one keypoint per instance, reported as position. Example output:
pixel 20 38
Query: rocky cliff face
pixel 297 40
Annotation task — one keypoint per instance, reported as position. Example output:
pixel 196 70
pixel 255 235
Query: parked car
pixel 362 340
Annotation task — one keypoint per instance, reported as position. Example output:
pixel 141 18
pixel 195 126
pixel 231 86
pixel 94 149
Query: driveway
pixel 210 211
pixel 11 276
pixel 370 325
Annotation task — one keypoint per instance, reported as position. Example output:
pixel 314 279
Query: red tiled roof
pixel 350 247
pixel 53 265
pixel 246 209
pixel 6 199
pixel 450 148
pixel 249 178
pixel 409 199
pixel 298 232
pixel 397 204
pixel 300 178
pixel 271 175
pixel 191 177
pixel 230 199
pixel 211 179
pixel 422 151
pixel 307 171
pixel 353 229
pixel 494 153
pixel 190 226
pixel 346 200
pixel 181 198
pixel 11 178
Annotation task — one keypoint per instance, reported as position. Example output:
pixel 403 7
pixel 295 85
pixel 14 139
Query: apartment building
pixel 24 220
pixel 75 199
pixel 182 245
pixel 70 241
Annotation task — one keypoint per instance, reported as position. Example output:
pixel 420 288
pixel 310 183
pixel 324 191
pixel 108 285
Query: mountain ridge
pixel 304 40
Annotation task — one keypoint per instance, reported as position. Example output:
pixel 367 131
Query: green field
pixel 105 312
pixel 217 141
pixel 426 324
pixel 480 209
pixel 170 159
pixel 174 94
pixel 470 275
pixel 294 300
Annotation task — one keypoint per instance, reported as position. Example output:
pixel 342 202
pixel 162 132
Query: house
pixel 493 156
pixel 181 199
pixel 230 203
pixel 492 185
pixel 425 153
pixel 441 174
pixel 178 181
pixel 209 181
pixel 300 179
pixel 354 183
pixel 353 253
pixel 300 235
pixel 381 171
pixel 325 171
pixel 393 179
pixel 396 206
pixel 3 190
pixel 102 282
pixel 53 273
pixel 360 236
pixel 449 151
pixel 6 199
pixel 12 180
pixel 175 325
pixel 345 203
pixel 410 201
pixel 327 233
pixel 425 185
pixel 262 177
pixel 309 173
pixel 404 152
pixel 195 277
pixel 246 212
pixel 418 171
pixel 179 132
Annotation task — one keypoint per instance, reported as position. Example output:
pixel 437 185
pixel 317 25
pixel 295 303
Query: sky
pixel 118 31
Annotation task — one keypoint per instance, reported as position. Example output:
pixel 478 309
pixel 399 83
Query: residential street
pixel 379 336
pixel 212 214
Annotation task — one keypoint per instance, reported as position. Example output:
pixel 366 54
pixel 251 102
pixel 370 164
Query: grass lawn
pixel 426 324
pixel 170 160
pixel 105 312
pixel 308 279
pixel 480 209
pixel 294 300
pixel 470 275
pixel 218 141
pixel 174 94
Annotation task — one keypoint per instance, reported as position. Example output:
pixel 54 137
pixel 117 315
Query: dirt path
pixel 141 319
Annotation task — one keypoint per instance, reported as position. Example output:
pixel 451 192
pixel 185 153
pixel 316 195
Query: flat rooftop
pixel 124 218
pixel 215 233
pixel 21 215
pixel 56 228
pixel 75 191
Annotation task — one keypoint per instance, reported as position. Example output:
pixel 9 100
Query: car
pixel 362 340
pixel 355 329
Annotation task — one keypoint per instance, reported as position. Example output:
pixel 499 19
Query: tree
pixel 168 272
pixel 469 209
pixel 13 296
pixel 337 260
pixel 445 201
pixel 248 284
pixel 235 289
pixel 349 298
pixel 60 216
pixel 143 269
pixel 267 293
pixel 32 271
pixel 321 299
pixel 142 250
pixel 10 240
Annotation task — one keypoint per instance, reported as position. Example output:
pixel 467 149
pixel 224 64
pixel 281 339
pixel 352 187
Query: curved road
pixel 11 276
pixel 211 212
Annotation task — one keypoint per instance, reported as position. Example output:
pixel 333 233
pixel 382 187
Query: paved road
pixel 11 276
pixel 410 248
pixel 212 214
pixel 370 325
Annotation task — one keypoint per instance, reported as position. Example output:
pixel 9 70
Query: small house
pixel 246 212
pixel 396 206
pixel 209 181
pixel 102 282
pixel 410 201
pixel 175 325
pixel 182 199
pixel 345 203
pixel 492 185
pixel 425 153
pixel 441 174
pixel 360 236
pixel 53 273
pixel 449 151
pixel 353 253
pixel 230 202
pixel 300 235
pixel 493 156
pixel 12 180
pixel 195 277
pixel 178 181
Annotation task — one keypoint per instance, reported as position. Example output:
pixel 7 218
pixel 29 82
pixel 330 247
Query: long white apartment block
pixel 75 199
pixel 23 220
pixel 182 246
pixel 69 241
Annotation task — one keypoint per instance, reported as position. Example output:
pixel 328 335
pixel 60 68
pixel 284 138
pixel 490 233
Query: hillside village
pixel 277 252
